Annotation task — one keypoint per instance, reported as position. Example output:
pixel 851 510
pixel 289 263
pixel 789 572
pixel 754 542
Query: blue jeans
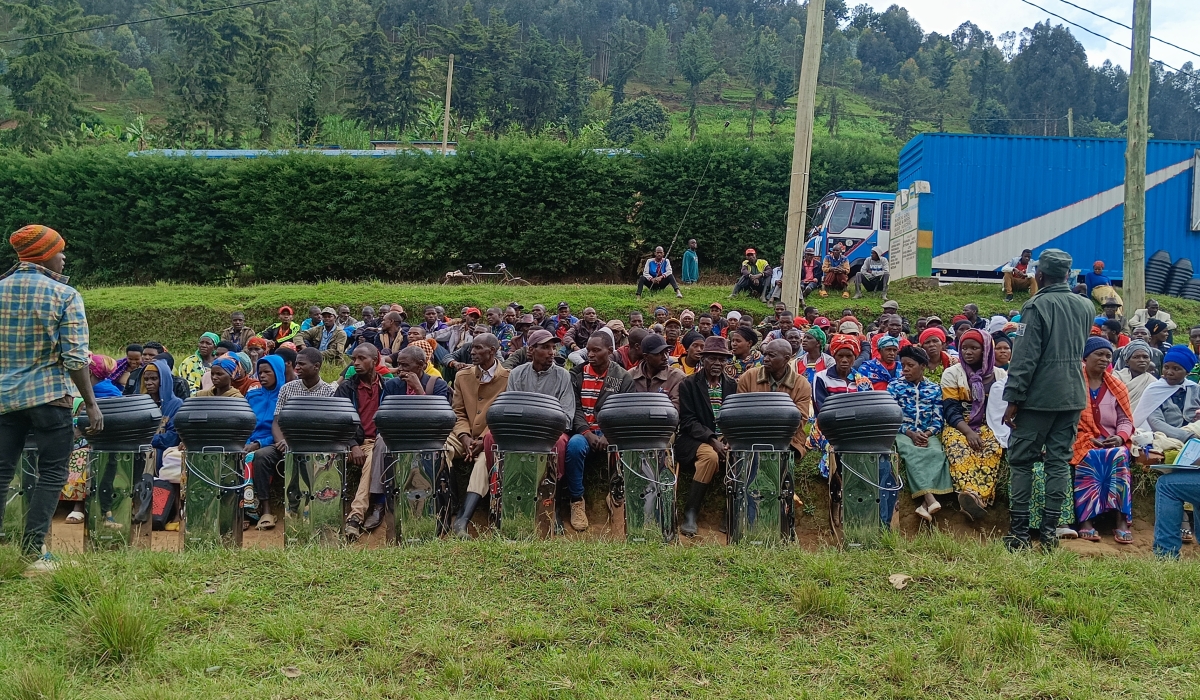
pixel 577 453
pixel 1170 493
pixel 50 427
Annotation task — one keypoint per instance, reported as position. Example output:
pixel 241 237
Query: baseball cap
pixel 540 336
pixel 563 305
pixel 286 308
pixel 821 322
pixel 848 327
pixel 328 310
pixel 473 310
pixel 930 321
pixel 517 306
pixel 750 251
pixel 673 322
pixel 716 305
pixel 891 304
pixel 653 344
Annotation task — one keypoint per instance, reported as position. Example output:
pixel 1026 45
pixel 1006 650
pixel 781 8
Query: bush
pixel 549 209
pixel 142 86
pixel 644 116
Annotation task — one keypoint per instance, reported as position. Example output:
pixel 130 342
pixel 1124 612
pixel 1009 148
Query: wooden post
pixel 1134 282
pixel 446 114
pixel 1070 122
pixel 806 97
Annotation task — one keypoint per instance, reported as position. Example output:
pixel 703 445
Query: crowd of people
pixel 1054 398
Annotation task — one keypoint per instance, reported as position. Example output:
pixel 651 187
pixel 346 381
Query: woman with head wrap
pixel 839 378
pixel 1101 456
pixel 222 370
pixel 689 361
pixel 918 444
pixel 101 367
pixel 243 377
pixel 1171 404
pixel 1136 369
pixel 256 348
pixel 970 442
pixel 191 369
pixel 933 342
pixel 883 369
pixel 741 342
pixel 813 358
pixel 1159 334
pixel 1003 347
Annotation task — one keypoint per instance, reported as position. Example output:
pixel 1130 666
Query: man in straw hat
pixel 44 360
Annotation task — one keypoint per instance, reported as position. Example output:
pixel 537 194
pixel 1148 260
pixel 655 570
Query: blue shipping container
pixel 995 195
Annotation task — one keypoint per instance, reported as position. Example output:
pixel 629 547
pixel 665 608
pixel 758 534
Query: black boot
pixel 695 500
pixel 1018 531
pixel 1048 532
pixel 464 518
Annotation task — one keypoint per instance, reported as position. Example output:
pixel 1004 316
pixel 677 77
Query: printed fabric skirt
pixel 1037 502
pixel 925 466
pixel 76 487
pixel 1103 483
pixel 973 471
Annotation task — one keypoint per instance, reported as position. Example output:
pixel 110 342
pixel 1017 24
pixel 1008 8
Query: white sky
pixel 1177 21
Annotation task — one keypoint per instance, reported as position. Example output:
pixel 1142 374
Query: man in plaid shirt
pixel 43 342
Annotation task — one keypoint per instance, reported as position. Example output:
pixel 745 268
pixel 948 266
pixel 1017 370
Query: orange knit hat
pixel 36 243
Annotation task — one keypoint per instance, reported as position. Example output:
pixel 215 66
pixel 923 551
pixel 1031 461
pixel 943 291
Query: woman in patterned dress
pixel 970 445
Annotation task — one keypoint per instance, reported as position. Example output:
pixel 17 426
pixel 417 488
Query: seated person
pixel 476 386
pixel 918 444
pixel 653 373
pixel 326 336
pixel 1152 310
pixel 810 273
pixel 836 269
pixel 873 275
pixel 1101 459
pixel 699 442
pixel 657 275
pixel 365 390
pixel 222 371
pixel 1019 275
pixel 773 285
pixel 264 400
pixel 778 373
pixel 968 438
pixel 753 271
pixel 593 382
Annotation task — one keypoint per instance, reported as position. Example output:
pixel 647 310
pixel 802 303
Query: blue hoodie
pixel 169 404
pixel 263 400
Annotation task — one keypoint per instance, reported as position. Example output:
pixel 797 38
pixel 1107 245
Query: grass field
pixel 602 620
pixel 178 314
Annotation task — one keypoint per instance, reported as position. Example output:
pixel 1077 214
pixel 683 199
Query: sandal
pixel 266 522
pixel 933 509
pixel 971 505
pixel 924 514
pixel 75 517
pixel 1123 536
pixel 1186 534
pixel 1089 534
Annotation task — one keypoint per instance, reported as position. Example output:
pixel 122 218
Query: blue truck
pixel 992 196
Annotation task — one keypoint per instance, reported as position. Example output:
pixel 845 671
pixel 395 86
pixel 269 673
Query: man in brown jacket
pixel 475 388
pixel 653 374
pixel 777 373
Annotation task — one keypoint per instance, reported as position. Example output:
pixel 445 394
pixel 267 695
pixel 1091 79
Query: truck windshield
pixel 841 216
pixel 819 217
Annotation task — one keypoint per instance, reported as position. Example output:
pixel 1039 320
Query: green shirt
pixel 1046 371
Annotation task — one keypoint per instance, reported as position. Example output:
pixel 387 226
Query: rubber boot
pixel 1018 531
pixel 464 518
pixel 1048 532
pixel 695 500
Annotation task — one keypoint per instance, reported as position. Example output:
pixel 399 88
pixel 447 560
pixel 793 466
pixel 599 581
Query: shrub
pixel 643 116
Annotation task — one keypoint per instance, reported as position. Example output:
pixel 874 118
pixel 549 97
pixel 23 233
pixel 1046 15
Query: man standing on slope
pixel 1045 394
pixel 43 342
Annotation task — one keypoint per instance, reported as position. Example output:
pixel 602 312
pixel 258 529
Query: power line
pixel 1101 36
pixel 136 21
pixel 1126 26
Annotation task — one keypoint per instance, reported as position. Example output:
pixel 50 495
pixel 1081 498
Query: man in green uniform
pixel 1045 394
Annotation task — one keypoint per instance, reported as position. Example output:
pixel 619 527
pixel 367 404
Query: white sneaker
pixel 44 564
pixel 1065 533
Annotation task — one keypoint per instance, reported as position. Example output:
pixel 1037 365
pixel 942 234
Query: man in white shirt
pixel 1019 274
pixel 773 289
pixel 873 275
pixel 657 274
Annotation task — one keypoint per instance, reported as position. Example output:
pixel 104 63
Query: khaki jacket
pixel 665 382
pixel 794 384
pixel 472 399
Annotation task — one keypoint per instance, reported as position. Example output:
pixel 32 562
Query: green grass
pixel 178 314
pixel 576 619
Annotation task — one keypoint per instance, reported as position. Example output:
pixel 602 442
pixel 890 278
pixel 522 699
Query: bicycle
pixel 474 275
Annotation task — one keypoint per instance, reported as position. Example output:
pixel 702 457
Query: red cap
pixel 821 322
pixel 749 251
pixel 287 309
pixel 473 310
pixel 956 319
pixel 718 305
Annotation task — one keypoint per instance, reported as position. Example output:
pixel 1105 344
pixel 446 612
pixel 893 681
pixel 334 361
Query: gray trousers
pixel 1053 431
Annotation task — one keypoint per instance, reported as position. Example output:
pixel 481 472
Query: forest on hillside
pixel 605 72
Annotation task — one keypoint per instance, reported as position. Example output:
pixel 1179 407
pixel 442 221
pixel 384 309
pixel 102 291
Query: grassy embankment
pixel 571 619
pixel 178 314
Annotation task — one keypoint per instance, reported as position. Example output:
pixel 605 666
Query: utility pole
pixel 1070 122
pixel 1134 282
pixel 446 114
pixel 806 97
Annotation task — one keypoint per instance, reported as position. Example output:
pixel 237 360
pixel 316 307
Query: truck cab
pixel 858 220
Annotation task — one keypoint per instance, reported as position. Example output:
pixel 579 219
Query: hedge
pixel 552 211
